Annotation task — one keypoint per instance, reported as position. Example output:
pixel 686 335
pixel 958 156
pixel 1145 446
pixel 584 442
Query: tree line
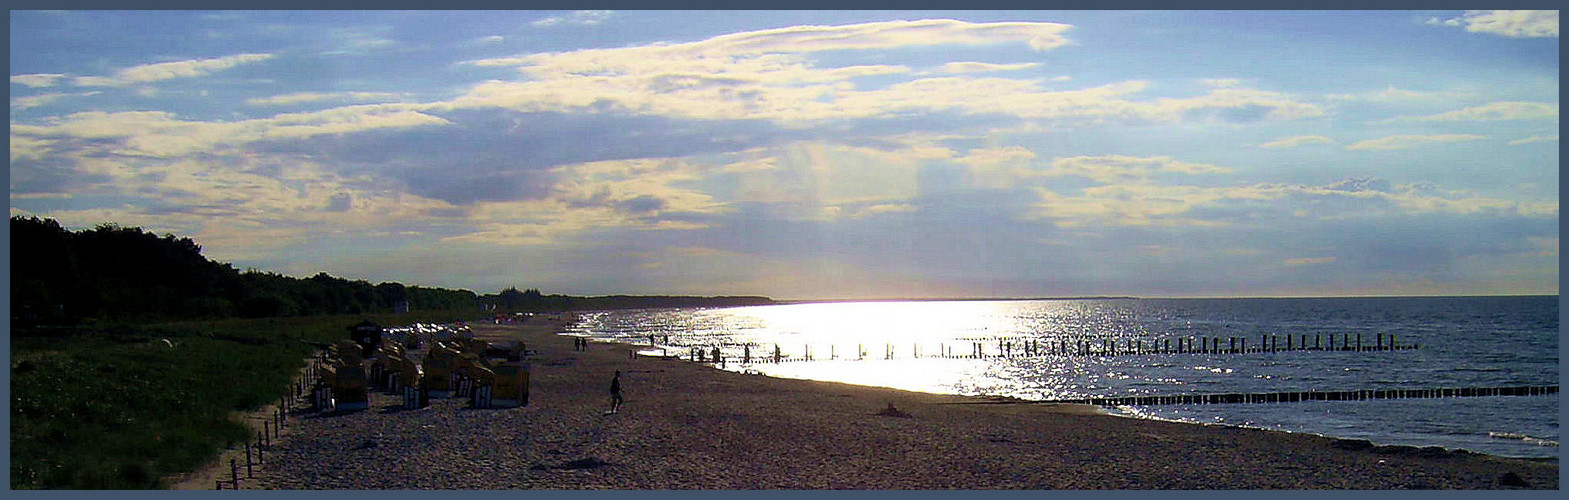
pixel 116 273
pixel 532 300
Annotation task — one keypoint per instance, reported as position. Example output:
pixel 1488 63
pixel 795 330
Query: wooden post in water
pixel 1359 341
pixel 1380 341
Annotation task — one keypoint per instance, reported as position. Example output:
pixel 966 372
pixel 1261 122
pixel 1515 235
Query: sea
pixel 979 347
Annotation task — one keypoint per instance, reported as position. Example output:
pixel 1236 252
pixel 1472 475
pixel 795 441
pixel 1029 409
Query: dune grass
pixel 115 407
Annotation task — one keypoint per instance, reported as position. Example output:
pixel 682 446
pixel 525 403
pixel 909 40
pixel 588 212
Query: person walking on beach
pixel 615 393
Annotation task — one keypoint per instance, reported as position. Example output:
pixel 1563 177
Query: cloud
pixel 1121 169
pixel 1296 140
pixel 1309 260
pixel 163 134
pixel 1509 23
pixel 579 18
pixel 1360 185
pixel 340 202
pixel 148 73
pixel 999 167
pixel 44 99
pixel 24 147
pixel 302 97
pixel 766 75
pixel 359 40
pixel 37 80
pixel 980 67
pixel 1393 94
pixel 1408 141
pixel 225 200
pixel 800 179
pixel 1534 138
pixel 1493 111
pixel 794 40
pixel 1126 200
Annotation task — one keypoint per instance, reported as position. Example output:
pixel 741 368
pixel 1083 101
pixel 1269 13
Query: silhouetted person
pixel 615 393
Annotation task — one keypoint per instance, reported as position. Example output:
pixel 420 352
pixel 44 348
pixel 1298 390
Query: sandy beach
pixel 689 426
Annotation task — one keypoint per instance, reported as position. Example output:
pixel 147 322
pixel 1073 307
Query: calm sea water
pixel 1464 342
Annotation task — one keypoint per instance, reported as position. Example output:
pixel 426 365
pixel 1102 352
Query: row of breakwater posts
pixel 339 378
pixel 1298 396
pixel 722 353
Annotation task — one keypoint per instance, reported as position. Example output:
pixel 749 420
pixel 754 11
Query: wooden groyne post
pixel 1298 396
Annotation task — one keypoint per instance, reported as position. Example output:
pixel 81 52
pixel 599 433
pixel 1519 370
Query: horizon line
pixel 1160 297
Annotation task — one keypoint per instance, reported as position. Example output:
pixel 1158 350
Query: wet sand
pixel 690 426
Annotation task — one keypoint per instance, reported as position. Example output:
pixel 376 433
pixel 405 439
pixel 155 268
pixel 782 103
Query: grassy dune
pixel 115 407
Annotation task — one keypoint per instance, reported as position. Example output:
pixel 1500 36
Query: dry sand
pixel 689 426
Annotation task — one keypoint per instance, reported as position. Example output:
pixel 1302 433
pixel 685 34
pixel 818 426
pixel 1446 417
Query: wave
pixel 1523 438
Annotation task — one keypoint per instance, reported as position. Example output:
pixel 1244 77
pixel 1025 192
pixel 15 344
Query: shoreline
pixel 1100 410
pixel 692 426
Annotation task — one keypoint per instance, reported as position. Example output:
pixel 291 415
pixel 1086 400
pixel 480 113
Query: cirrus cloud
pixel 149 73
pixel 164 134
pixel 980 67
pixel 1534 138
pixel 1296 140
pixel 303 97
pixel 1408 141
pixel 38 80
pixel 1493 111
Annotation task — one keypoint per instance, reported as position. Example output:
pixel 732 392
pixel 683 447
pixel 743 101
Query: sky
pixel 812 154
